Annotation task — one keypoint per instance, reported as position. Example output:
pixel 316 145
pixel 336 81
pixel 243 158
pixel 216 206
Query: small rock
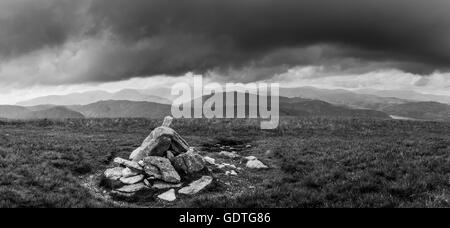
pixel 127 172
pixel 132 180
pixel 248 146
pixel 131 188
pixel 210 160
pixel 230 166
pixel 256 164
pixel 229 154
pixel 164 185
pixel 196 186
pixel 251 158
pixel 165 168
pixel 168 196
pixel 232 172
pixel 147 183
pixel 114 173
pixel 127 163
pixel 189 162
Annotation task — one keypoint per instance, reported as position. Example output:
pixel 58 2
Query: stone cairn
pixel 159 163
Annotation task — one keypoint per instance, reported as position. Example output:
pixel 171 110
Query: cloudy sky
pixel 62 46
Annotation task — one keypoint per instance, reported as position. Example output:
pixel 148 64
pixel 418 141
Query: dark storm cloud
pixel 29 25
pixel 175 36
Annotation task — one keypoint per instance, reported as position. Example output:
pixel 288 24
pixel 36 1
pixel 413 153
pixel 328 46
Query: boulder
pixel 165 168
pixel 189 163
pixel 130 164
pixel 196 186
pixel 256 164
pixel 132 180
pixel 164 185
pixel 114 173
pixel 131 188
pixel 168 196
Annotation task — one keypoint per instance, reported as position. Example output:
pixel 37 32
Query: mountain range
pixel 92 97
pixel 302 101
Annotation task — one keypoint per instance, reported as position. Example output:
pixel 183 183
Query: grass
pixel 315 162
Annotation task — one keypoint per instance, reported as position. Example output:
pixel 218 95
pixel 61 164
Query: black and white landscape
pixel 86 99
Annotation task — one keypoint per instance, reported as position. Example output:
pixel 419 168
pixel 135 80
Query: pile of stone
pixel 160 163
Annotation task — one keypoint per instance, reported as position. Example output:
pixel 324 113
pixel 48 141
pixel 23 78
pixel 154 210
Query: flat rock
pixel 229 154
pixel 165 168
pixel 127 163
pixel 131 188
pixel 210 160
pixel 114 173
pixel 251 158
pixel 132 180
pixel 196 186
pixel 189 162
pixel 152 171
pixel 256 164
pixel 163 185
pixel 127 172
pixel 168 196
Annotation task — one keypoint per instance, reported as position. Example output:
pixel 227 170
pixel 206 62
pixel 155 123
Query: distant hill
pixel 22 113
pixel 15 112
pixel 342 97
pixel 301 107
pixel 92 97
pixel 421 110
pixel 123 109
pixel 406 94
pixel 306 107
pixel 57 113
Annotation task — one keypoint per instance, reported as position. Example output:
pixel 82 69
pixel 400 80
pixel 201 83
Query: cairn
pixel 160 163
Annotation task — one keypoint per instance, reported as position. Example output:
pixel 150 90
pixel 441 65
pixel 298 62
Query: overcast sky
pixel 57 46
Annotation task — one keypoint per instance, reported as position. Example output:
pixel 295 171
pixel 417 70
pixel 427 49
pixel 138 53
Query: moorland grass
pixel 316 162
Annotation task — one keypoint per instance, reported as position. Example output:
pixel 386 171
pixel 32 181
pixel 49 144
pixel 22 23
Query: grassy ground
pixel 315 162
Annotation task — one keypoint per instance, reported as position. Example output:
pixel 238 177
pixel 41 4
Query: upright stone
pixel 158 142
